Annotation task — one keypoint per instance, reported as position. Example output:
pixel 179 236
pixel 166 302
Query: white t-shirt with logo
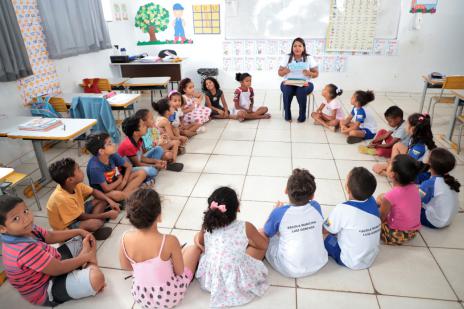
pixel 365 117
pixel 335 104
pixel 296 248
pixel 297 67
pixel 357 225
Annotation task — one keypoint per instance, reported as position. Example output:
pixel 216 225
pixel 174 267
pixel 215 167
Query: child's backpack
pixel 42 108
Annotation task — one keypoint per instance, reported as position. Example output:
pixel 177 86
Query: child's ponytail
pixel 452 182
pixel 241 76
pixel 334 91
pixel 364 97
pixel 222 209
pixel 422 132
pixel 442 162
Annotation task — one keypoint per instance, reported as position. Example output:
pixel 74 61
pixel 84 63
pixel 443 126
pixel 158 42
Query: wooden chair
pixel 59 104
pixel 9 183
pixel 451 82
pixel 104 84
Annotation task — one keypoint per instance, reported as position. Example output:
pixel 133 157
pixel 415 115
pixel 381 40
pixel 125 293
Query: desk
pixel 11 123
pixel 5 172
pixel 428 84
pixel 72 129
pixel 121 100
pixel 155 69
pixel 458 103
pixel 147 83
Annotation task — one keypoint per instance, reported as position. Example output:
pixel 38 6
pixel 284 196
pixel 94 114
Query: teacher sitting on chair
pixel 297 69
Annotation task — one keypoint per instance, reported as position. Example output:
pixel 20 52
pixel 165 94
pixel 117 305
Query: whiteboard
pixel 286 19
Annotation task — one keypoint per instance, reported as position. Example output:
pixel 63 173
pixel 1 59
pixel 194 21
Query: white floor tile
pixel 349 152
pixel 267 189
pixel 238 134
pixel 310 135
pixel 272 149
pixel 184 236
pixel 451 264
pixel 329 192
pixel 275 298
pixel 225 164
pixel 191 217
pixel 324 169
pixel 308 299
pixel 256 213
pixel 193 162
pixel 234 148
pixel 211 132
pixel 167 183
pixel 270 166
pixel 200 146
pixel 345 166
pixel 272 135
pixel 311 151
pixel 448 237
pixel 210 182
pixel 393 302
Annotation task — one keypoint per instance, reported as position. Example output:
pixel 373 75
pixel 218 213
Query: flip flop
pixel 175 167
pixel 102 233
pixel 354 139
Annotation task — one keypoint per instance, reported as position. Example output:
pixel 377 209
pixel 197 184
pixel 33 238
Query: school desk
pixel 5 172
pixel 147 83
pixel 458 105
pixel 121 101
pixel 10 123
pixel 152 69
pixel 70 129
pixel 429 83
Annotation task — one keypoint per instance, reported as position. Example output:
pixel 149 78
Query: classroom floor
pixel 256 158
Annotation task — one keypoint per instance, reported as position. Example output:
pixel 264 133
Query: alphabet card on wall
pixel 158 24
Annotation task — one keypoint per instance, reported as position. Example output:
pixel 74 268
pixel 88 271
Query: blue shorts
pixel 333 249
pixel 367 133
pixel 88 207
pixel 425 221
pixel 151 171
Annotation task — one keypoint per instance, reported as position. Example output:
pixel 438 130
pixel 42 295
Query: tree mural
pixel 152 18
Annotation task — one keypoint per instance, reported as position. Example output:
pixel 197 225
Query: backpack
pixel 42 108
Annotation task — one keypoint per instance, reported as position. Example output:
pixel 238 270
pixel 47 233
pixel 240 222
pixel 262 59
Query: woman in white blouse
pixel 298 65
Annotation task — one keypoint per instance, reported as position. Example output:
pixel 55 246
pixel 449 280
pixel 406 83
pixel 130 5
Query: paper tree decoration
pixel 152 18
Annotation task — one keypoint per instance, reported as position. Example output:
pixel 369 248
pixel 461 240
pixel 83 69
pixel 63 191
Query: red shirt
pixel 127 148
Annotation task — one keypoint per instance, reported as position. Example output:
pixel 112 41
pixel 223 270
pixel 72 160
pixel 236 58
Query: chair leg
pixel 281 104
pixel 459 138
pixel 37 201
pixel 78 148
pixel 433 112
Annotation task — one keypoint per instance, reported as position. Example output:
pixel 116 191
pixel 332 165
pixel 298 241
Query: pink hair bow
pixel 214 205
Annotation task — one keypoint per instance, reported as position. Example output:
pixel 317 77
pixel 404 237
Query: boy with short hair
pixel 108 172
pixel 42 274
pixel 355 222
pixel 296 246
pixel 384 140
pixel 67 206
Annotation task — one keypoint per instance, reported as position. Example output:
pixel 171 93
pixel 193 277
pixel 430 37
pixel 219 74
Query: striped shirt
pixel 24 263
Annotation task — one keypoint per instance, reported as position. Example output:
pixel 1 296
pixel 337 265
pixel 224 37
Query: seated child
pixel 162 270
pixel 420 143
pixel 108 172
pixel 194 112
pixel 42 274
pixel 330 112
pixel 439 193
pixel 244 99
pixel 67 206
pixel 360 124
pixel 400 208
pixel 355 222
pixel 153 138
pixel 182 129
pixel 131 147
pixel 165 127
pixel 384 140
pixel 294 227
pixel 230 267
pixel 213 99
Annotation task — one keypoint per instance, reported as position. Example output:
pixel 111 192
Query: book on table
pixel 41 124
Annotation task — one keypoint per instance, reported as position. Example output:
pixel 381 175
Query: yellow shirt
pixel 63 208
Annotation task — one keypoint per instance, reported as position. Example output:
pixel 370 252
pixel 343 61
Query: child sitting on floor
pixel 214 97
pixel 400 208
pixel 181 129
pixel 162 270
pixel 108 172
pixel 355 222
pixel 440 193
pixel 194 112
pixel 131 147
pixel 384 140
pixel 330 112
pixel 42 274
pixel 67 206
pixel 360 124
pixel 294 227
pixel 230 267
pixel 244 99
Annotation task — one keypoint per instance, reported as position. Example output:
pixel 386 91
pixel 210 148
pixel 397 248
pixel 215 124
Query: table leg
pixel 424 92
pixel 46 178
pixel 449 135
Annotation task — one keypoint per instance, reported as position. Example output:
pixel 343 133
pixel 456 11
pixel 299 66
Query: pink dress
pixel 155 284
pixel 200 114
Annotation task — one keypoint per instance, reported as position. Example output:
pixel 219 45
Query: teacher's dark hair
pixel 304 54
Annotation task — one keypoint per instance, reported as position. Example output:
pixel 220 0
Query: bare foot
pixel 266 116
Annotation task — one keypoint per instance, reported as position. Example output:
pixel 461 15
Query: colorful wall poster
pixel 206 19
pixel 423 6
pixel 45 79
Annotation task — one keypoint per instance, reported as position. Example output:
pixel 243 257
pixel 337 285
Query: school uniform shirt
pixel 357 225
pixel 335 104
pixel 401 133
pixel 24 259
pixel 297 67
pixel 405 208
pixel 99 173
pixel 439 201
pixel 64 208
pixel 365 118
pixel 296 247
pixel 417 151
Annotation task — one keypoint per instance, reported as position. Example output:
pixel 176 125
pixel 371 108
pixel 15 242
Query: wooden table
pixel 429 83
pixel 71 129
pixel 458 104
pixel 154 69
pixel 5 172
pixel 121 101
pixel 147 83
